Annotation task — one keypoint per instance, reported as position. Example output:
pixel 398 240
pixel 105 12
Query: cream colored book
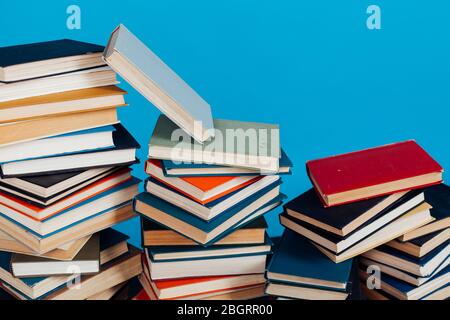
pixel 148 74
pixel 15 132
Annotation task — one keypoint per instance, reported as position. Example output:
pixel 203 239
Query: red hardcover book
pixel 373 172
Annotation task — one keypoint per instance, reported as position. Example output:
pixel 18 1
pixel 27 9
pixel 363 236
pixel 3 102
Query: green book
pixel 236 143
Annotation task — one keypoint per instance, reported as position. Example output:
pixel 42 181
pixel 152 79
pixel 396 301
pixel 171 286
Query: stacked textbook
pixel 210 183
pixel 65 176
pixel 362 203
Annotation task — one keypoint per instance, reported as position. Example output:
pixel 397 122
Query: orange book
pixel 201 189
pixel 39 128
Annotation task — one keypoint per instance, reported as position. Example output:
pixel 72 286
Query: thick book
pixel 182 169
pixel 199 230
pixel 42 59
pixel 337 243
pixel 62 103
pixel 82 229
pixel 123 153
pixel 148 74
pixel 421 246
pixel 296 261
pixel 203 190
pixel 373 172
pixel 47 189
pixel 213 208
pixel 345 219
pixel 439 198
pixel 85 79
pixel 24 131
pixel 87 261
pixel 422 267
pixel 243 144
pixel 179 253
pixel 155 235
pixel 77 213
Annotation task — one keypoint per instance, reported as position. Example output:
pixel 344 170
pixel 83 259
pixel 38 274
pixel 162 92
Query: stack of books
pixel 210 183
pixel 360 201
pixel 415 266
pixel 65 176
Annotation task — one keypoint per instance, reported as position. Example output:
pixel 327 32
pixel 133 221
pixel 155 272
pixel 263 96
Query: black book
pixel 421 246
pixel 45 190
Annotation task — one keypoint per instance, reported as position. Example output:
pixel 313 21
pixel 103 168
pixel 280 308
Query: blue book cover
pixel 299 262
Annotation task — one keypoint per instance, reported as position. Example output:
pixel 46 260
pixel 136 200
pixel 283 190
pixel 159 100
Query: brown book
pixel 62 103
pixel 50 126
pixel 64 253
pixel 44 245
pixel 154 234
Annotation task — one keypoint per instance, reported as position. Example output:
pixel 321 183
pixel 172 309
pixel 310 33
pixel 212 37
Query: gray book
pixel 149 75
pixel 236 143
pixel 87 261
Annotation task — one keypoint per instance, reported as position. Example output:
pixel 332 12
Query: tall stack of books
pixel 210 184
pixel 65 176
pixel 360 201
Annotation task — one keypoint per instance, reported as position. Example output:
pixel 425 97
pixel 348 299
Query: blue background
pixel 312 66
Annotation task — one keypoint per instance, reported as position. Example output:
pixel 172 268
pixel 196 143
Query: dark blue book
pixel 405 291
pixel 348 218
pixel 40 56
pixel 421 246
pixel 338 243
pixel 298 262
pixel 207 232
pixel 177 253
pixel 422 267
pixel 122 154
pixel 180 169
